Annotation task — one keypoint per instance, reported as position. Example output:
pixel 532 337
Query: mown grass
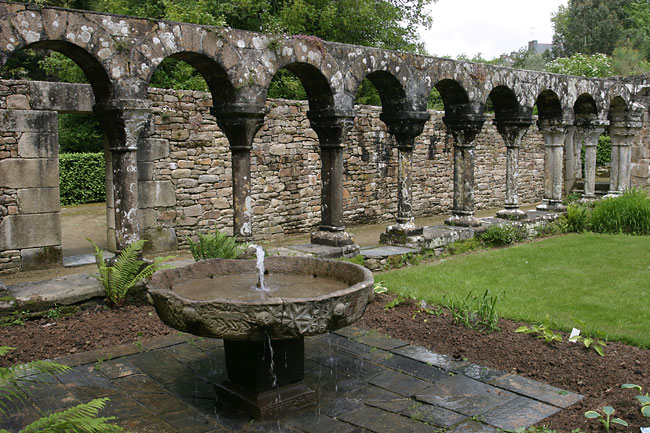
pixel 602 280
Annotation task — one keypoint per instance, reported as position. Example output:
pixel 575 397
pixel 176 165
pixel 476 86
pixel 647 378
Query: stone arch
pixel 222 90
pixel 317 86
pixel 585 107
pixel 506 104
pixel 454 96
pixel 549 105
pixel 391 92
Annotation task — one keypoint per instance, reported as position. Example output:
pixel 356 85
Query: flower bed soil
pixel 565 365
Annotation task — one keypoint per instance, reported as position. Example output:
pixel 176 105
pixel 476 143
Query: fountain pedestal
pixel 265 378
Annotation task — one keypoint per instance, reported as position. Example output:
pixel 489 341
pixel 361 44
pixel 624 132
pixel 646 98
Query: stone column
pixel 240 123
pixel 512 131
pixel 622 132
pixel 588 133
pixel 405 126
pixel 553 131
pixel 123 122
pixel 464 129
pixel 572 159
pixel 332 127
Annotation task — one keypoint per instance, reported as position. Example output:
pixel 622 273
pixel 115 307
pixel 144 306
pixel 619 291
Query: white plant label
pixel 645 429
pixel 574 333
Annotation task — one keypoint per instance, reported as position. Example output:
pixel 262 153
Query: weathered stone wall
pixel 640 170
pixel 286 168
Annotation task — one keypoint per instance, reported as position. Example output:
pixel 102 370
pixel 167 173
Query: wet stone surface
pixel 365 382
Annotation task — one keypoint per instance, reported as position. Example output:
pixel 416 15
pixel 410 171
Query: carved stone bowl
pixel 271 317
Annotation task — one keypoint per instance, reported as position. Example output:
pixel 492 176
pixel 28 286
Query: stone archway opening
pixel 63 150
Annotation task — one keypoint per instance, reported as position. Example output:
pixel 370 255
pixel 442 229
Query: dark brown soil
pixel 565 365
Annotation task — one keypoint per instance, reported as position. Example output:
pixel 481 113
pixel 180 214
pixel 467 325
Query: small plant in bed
pixel 126 272
pixel 215 245
pixel 605 418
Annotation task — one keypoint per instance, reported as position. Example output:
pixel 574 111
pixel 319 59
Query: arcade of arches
pixel 150 176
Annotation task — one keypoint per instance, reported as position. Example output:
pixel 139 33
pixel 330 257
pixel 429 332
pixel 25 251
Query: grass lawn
pixel 602 280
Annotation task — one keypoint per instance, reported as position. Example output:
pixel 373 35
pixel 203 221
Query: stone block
pixel 208 178
pixel 156 194
pixel 160 239
pixel 193 211
pixel 28 120
pixel 148 218
pixel 18 102
pixel 181 173
pixel 39 145
pixel 153 149
pixel 41 258
pixel 38 200
pixel 29 173
pixel 145 170
pixel 30 231
pixel 70 97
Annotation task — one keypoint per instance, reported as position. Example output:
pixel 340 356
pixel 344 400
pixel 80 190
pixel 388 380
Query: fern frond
pixel 77 419
pixel 12 377
pixel 6 349
pixel 127 266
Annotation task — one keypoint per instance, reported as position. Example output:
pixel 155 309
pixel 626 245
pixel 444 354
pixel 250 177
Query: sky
pixel 489 27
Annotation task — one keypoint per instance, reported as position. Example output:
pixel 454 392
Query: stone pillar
pixel 332 127
pixel 123 122
pixel 240 123
pixel 405 126
pixel 512 131
pixel 622 131
pixel 587 134
pixel 553 131
pixel 464 129
pixel 572 159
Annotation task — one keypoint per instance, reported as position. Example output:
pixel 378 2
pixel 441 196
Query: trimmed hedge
pixel 82 178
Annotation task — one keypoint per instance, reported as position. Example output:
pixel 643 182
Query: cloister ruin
pixel 155 191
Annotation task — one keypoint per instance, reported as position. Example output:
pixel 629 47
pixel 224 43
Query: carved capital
pixel 331 126
pixel 590 129
pixel 464 128
pixel 123 121
pixel 240 123
pixel 513 129
pixel 405 125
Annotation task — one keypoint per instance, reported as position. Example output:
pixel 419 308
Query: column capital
pixel 240 123
pixel 122 121
pixel 591 129
pixel 513 129
pixel 464 128
pixel 552 125
pixel 405 125
pixel 331 125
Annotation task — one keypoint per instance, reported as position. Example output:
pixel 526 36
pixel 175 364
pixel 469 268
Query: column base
pixel 611 194
pixel 463 220
pixel 588 198
pixel 332 238
pixel 513 214
pixel 551 206
pixel 398 234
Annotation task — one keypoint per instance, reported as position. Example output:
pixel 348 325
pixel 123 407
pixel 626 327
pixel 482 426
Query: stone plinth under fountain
pixel 263 330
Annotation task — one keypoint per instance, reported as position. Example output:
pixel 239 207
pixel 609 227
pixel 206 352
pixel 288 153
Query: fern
pixel 12 377
pixel 128 270
pixel 215 246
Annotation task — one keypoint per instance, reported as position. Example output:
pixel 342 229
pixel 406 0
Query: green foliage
pixel 59 67
pixel 499 235
pixel 584 65
pixel 82 178
pixel 15 318
pixel 215 246
pixel 357 260
pixel 379 288
pixel 606 417
pixel 577 217
pixel 286 85
pixel 628 214
pixel 604 151
pixel 176 74
pixel 367 94
pixel 590 342
pixel 396 301
pixel 542 331
pixel 475 312
pixel 643 399
pixel 80 133
pixel 628 61
pixel 464 246
pixel 127 271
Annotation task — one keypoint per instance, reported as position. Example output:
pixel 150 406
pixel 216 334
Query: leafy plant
pixel 82 178
pixel 475 312
pixel 215 246
pixel 606 417
pixel 396 301
pixel 379 287
pixel 498 235
pixel 127 271
pixel 15 318
pixel 464 246
pixel 644 399
pixel 542 331
pixel 590 341
pixel 628 214
pixel 77 419
pixel 577 217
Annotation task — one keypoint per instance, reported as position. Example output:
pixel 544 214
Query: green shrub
pixel 461 247
pixel 604 151
pixel 627 214
pixel 577 216
pixel 82 178
pixel 215 246
pixel 498 235
pixel 127 271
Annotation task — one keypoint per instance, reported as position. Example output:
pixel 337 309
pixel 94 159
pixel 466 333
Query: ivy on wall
pixel 82 177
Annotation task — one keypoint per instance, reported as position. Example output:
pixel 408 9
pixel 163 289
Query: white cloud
pixel 489 27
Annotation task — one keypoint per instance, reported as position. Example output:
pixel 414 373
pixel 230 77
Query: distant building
pixel 538 48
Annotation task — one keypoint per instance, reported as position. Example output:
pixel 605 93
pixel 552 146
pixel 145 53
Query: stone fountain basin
pixel 267 316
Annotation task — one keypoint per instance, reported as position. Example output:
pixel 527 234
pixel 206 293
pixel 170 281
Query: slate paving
pixel 366 382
